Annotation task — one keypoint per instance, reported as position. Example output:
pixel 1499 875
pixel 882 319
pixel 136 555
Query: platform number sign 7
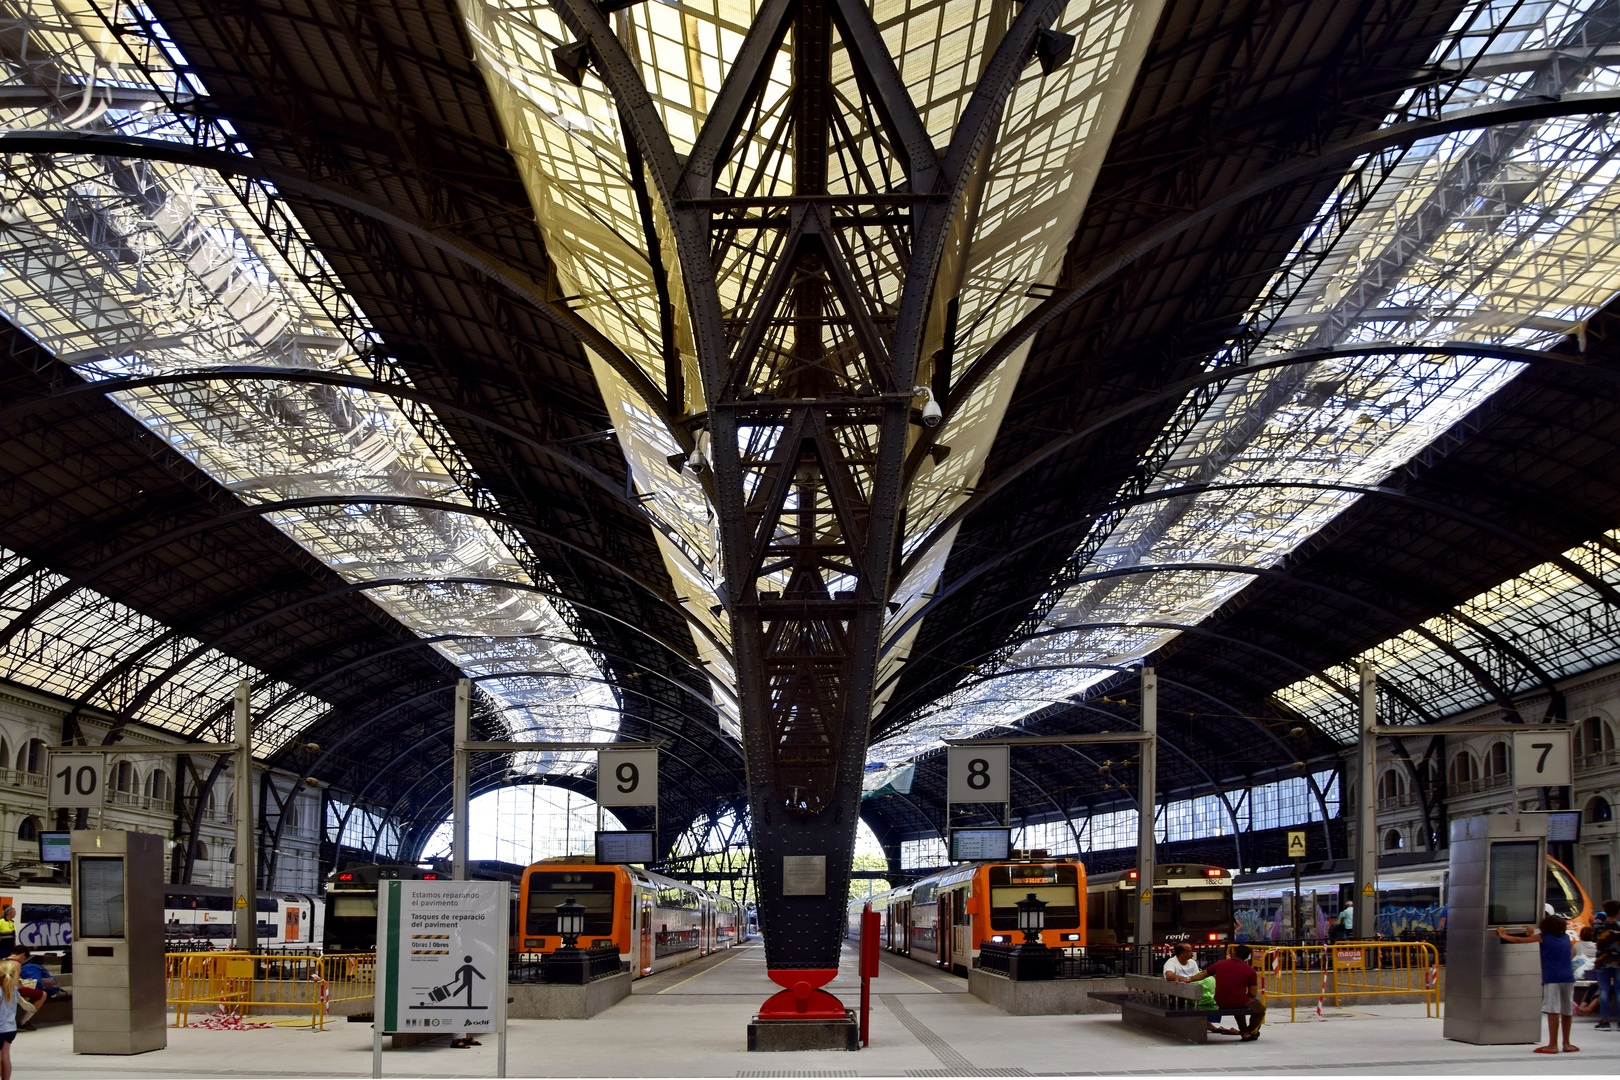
pixel 1541 758
pixel 627 777
pixel 76 780
pixel 977 774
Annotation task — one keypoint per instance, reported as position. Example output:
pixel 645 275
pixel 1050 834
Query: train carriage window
pixel 592 891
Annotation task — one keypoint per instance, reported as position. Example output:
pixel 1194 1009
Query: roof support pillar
pixel 1147 801
pixel 1364 890
pixel 247 891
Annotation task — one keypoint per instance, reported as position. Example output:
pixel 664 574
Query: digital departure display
pixel 613 848
pixel 977 845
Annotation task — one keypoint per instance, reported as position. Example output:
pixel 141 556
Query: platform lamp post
pixel 567 964
pixel 1032 960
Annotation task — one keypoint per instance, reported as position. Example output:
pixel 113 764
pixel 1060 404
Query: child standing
pixel 1557 977
pixel 9 973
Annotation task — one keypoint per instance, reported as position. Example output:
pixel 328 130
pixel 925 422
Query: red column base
pixel 801 1000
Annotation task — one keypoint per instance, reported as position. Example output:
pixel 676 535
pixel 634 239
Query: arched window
pixel 1392 840
pixel 28 831
pixel 1463 772
pixel 1496 761
pixel 290 814
pixel 31 756
pixel 125 778
pixel 202 849
pixel 159 791
pixel 1597 811
pixel 1594 743
pixel 1391 787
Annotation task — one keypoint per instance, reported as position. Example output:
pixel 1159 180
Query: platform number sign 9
pixel 1541 758
pixel 978 774
pixel 627 777
pixel 77 780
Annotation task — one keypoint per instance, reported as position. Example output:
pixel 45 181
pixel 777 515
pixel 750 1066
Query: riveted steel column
pixel 1364 894
pixel 458 828
pixel 1147 799
pixel 247 891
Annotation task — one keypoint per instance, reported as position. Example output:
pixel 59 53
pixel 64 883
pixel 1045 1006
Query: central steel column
pixel 458 828
pixel 1147 798
pixel 1363 891
pixel 247 892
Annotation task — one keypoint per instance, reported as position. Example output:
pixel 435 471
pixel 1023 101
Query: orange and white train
pixel 657 922
pixel 946 917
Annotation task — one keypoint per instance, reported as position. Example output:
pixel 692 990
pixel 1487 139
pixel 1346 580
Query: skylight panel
pixel 1502 237
pixel 137 268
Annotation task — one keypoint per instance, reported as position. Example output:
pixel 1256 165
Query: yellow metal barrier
pixel 238 984
pixel 1315 974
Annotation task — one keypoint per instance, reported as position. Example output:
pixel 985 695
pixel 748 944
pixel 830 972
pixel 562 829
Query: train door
pixel 942 932
pixel 293 922
pixel 644 909
pixel 961 930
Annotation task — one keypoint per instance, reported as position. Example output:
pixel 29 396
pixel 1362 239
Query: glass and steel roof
pixel 574 154
pixel 1501 236
pixel 139 267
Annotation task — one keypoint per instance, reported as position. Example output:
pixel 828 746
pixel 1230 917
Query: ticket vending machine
pixel 1498 878
pixel 118 993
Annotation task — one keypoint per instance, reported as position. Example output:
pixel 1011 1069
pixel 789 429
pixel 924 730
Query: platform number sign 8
pixel 1541 758
pixel 977 774
pixel 627 777
pixel 77 780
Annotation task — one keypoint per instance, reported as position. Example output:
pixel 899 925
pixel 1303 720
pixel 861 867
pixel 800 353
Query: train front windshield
pixel 1056 884
pixel 592 891
pixel 1202 910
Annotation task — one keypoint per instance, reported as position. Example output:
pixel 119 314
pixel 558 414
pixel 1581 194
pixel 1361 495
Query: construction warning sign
pixel 441 956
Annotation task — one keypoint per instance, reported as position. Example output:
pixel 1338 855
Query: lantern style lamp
pixel 1031 918
pixel 570 922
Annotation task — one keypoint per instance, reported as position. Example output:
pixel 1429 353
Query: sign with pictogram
pixel 441 957
pixel 241 902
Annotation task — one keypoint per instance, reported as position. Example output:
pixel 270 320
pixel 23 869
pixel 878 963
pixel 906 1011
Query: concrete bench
pixel 1164 1006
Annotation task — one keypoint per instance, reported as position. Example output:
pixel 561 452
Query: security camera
pixel 932 414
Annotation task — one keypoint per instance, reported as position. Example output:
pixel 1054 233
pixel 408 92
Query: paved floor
pixel 691 1022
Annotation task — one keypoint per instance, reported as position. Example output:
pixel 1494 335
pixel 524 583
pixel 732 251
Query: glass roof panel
pixel 1502 237
pixel 1025 207
pixel 1546 613
pixel 133 268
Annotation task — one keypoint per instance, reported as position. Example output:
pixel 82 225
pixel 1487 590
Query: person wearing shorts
pixel 1557 977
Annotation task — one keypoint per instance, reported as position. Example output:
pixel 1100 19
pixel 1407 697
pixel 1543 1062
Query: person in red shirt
pixel 1235 979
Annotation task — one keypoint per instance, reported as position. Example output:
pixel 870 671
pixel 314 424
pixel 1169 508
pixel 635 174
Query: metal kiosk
pixel 1498 878
pixel 118 999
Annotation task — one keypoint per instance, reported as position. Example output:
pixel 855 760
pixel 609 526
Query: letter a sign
pixel 1296 844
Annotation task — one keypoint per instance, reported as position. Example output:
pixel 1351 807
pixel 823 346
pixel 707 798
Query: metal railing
pixel 587 965
pixel 239 983
pixel 1318 974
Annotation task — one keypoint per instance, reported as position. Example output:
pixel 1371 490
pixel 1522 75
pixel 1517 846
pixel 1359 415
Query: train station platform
pixel 691 1021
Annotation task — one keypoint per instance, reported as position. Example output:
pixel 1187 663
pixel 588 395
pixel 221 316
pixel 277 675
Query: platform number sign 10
pixel 977 774
pixel 77 780
pixel 1541 758
pixel 627 777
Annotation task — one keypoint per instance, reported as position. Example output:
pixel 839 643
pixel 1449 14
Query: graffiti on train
pixel 45 926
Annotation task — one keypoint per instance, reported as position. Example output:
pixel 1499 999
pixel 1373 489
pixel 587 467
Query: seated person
pixel 1182 967
pixel 1233 978
pixel 45 985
